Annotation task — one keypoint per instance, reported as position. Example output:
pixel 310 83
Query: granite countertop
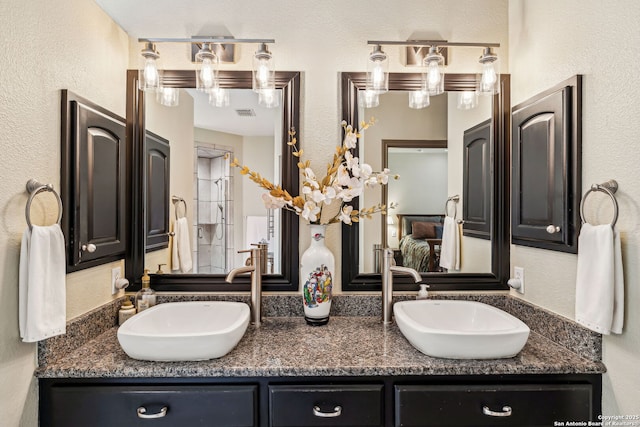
pixel 287 346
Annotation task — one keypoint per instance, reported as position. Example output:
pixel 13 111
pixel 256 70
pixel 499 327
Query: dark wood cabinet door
pixel 546 170
pixel 174 405
pixel 157 191
pixel 499 405
pixel 94 183
pixel 478 177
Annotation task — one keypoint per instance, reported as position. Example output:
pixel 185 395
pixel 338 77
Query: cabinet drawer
pixel 459 405
pixel 97 406
pixel 330 405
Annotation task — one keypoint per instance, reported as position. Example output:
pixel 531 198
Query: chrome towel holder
pixel 455 199
pixel 609 188
pixel 34 187
pixel 176 200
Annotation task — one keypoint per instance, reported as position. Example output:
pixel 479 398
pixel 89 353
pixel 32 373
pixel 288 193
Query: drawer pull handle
pixel 551 229
pixel 337 411
pixel 506 412
pixel 142 413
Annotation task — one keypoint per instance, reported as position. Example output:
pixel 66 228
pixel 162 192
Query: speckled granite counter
pixel 286 346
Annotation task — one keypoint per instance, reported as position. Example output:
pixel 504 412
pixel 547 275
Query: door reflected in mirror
pixel 224 214
pixel 426 148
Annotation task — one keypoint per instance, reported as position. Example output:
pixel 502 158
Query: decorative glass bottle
pixel 317 267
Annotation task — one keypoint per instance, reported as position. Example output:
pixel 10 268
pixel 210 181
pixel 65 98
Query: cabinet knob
pixel 142 413
pixel 337 411
pixel 551 229
pixel 506 412
pixel 89 248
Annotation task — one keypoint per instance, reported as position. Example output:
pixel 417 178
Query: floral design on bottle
pixel 317 287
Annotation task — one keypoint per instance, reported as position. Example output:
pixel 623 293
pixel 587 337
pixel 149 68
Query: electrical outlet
pixel 116 273
pixel 518 273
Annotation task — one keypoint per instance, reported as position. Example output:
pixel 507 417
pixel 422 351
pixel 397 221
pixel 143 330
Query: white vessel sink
pixel 455 329
pixel 182 331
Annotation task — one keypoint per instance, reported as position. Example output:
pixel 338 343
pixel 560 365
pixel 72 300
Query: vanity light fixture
pixel 378 71
pixel 168 96
pixel 419 99
pixel 149 76
pixel 263 69
pixel 369 99
pixel 467 99
pixel 219 97
pixel 206 68
pixel 433 77
pixel 489 83
pixel 269 98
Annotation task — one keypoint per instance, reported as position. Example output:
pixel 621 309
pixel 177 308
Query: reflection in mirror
pixel 425 188
pixel 223 215
pixel 425 147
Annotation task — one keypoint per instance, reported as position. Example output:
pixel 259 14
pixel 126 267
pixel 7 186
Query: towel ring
pixel 455 200
pixel 34 187
pixel 176 200
pixel 609 188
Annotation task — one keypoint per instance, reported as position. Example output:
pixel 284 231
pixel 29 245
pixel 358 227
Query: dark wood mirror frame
pixel 352 279
pixel 287 280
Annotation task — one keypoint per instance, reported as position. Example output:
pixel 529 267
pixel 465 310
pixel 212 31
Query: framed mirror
pixel 209 146
pixel 394 143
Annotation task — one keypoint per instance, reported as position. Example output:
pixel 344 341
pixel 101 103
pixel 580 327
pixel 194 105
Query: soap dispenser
pixel 423 293
pixel 146 297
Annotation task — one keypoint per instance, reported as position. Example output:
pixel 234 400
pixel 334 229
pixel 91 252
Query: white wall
pixel 550 41
pixel 47 45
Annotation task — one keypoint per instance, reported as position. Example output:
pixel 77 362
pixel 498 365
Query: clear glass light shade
pixel 168 96
pixel 219 97
pixel 433 75
pixel 269 98
pixel 378 71
pixel 206 69
pixel 467 100
pixel 489 78
pixel 368 99
pixel 149 73
pixel 263 70
pixel 419 99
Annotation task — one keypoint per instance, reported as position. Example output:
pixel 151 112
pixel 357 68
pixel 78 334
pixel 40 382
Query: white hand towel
pixel 181 248
pixel 450 249
pixel 599 280
pixel 42 285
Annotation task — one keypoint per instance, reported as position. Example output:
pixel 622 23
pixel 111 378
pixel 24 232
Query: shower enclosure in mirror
pixel 225 215
pixel 427 148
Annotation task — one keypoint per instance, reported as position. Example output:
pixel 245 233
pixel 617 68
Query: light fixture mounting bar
pixel 439 43
pixel 204 40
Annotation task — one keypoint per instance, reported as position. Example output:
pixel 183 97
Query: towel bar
pixel 34 187
pixel 609 188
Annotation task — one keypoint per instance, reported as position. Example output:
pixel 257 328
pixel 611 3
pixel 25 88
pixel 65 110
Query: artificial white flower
pixel 350 139
pixel 271 202
pixel 342 177
pixel 317 196
pixel 329 195
pixel 310 211
pixel 352 162
pixel 345 214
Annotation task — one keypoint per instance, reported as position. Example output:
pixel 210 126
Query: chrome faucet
pixel 255 268
pixel 387 282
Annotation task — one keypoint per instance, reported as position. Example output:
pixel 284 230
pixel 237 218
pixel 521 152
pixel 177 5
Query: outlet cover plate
pixel 116 273
pixel 518 273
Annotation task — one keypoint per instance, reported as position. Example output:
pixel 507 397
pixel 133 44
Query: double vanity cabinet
pixel 487 400
pixel 352 372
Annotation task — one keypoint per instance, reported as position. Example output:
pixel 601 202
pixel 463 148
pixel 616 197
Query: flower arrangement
pixel 345 180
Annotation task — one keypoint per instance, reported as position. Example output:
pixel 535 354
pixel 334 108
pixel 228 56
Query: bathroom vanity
pixel 352 372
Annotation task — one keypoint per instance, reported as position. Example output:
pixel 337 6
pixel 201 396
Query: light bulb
pixel 489 77
pixel 419 99
pixel 151 76
pixel 207 74
pixel 377 77
pixel 262 72
pixel 433 76
pixel 467 100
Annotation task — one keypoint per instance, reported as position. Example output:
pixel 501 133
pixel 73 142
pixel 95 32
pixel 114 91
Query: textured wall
pixel 550 41
pixel 47 45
